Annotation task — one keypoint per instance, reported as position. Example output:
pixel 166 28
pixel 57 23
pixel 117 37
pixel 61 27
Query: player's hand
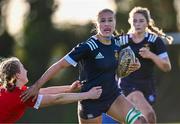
pixel 75 86
pixel 134 66
pixel 94 93
pixel 145 53
pixel 32 91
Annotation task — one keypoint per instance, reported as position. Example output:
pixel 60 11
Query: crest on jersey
pixel 116 54
pixel 147 46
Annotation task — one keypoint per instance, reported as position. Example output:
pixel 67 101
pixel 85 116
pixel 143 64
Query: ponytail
pixel 9 67
pixel 160 33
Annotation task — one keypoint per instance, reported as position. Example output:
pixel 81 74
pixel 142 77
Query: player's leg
pixel 89 115
pixel 142 104
pixel 97 120
pixel 124 111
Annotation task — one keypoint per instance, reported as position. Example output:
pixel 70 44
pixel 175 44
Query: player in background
pixel 144 38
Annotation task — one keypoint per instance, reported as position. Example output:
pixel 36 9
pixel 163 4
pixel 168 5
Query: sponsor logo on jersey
pixel 99 56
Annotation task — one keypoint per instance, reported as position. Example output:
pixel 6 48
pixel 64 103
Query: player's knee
pixel 134 116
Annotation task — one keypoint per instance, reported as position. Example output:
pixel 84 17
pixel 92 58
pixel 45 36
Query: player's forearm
pixel 71 97
pixel 163 64
pixel 62 98
pixel 55 89
pixel 51 72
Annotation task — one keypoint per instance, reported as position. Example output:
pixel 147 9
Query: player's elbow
pixel 167 70
pixel 166 67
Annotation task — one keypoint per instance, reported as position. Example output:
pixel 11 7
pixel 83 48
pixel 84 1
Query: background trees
pixel 41 43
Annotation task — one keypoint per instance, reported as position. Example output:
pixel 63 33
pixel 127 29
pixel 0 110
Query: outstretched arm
pixel 75 86
pixel 64 98
pixel 51 71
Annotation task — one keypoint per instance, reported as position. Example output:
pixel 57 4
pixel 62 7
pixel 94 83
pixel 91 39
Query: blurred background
pixel 40 32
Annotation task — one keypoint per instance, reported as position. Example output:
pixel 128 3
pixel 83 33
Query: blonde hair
pixel 9 67
pixel 151 25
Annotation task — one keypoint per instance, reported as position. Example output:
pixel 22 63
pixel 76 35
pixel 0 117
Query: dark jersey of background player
pixel 143 79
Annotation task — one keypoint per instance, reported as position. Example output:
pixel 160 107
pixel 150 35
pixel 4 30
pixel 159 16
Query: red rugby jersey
pixel 11 106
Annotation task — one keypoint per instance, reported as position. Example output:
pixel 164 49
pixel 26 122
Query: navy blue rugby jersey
pixel 97 64
pixel 152 42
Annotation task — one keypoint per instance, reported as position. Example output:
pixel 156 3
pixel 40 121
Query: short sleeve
pixel 78 53
pixel 29 102
pixel 160 48
pixel 36 104
pixel 122 40
pixel 38 101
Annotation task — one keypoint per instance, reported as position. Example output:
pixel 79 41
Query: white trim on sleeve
pixel 163 55
pixel 38 102
pixel 70 60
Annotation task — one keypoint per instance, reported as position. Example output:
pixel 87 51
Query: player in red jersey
pixel 13 77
